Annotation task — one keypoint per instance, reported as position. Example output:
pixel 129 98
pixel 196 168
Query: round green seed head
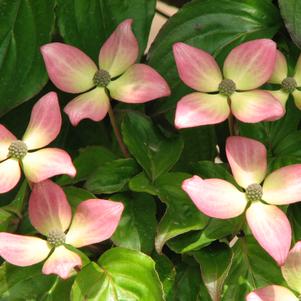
pixel 17 150
pixel 102 78
pixel 56 238
pixel 254 192
pixel 289 85
pixel 227 87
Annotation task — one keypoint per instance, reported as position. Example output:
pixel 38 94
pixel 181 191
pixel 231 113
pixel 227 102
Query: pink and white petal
pixel 297 75
pixel 49 209
pixel 297 98
pixel 95 220
pixel 283 186
pixel 281 96
pixel 251 64
pixel 197 68
pixel 10 174
pixel 120 50
pixel 197 109
pixel 93 105
pixel 280 69
pixel 291 270
pixel 248 160
pixel 22 250
pixel 256 106
pixel 272 230
pixel 61 262
pixel 46 163
pixel 6 138
pixel 70 69
pixel 45 122
pixel 139 84
pixel 215 197
pixel 272 293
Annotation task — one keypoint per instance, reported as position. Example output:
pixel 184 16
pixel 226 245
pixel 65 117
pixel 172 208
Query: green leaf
pixel 155 152
pixel 112 177
pixel 215 263
pixel 291 13
pixel 122 274
pixel 214 26
pixel 137 227
pixel 87 24
pixel 24 27
pixel 293 213
pixel 141 183
pixel 76 195
pixel 181 215
pixel 86 162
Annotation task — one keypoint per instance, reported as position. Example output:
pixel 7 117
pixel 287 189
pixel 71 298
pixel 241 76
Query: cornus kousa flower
pixel 220 199
pixel 247 67
pixel 289 84
pixel 94 221
pixel 73 71
pixel 37 164
pixel 291 272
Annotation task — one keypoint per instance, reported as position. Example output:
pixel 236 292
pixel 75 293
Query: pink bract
pixel 71 70
pixel 95 220
pixel 219 199
pixel 247 67
pixel 38 164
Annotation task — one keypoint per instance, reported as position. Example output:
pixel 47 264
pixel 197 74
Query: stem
pixel 231 124
pixel 117 133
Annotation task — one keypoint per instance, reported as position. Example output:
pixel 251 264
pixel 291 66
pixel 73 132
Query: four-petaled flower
pixel 289 84
pixel 291 271
pixel 95 220
pixel 247 67
pixel 220 199
pixel 73 71
pixel 44 126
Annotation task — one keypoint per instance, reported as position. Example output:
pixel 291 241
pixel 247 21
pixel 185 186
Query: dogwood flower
pixel 291 271
pixel 289 84
pixel 37 164
pixel 73 71
pixel 247 67
pixel 95 220
pixel 220 199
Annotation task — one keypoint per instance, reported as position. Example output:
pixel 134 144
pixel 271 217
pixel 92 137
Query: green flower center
pixel 17 150
pixel 102 78
pixel 289 85
pixel 227 87
pixel 254 192
pixel 56 238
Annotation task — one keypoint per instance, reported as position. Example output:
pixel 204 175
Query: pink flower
pixel 44 126
pixel 289 84
pixel 291 271
pixel 247 67
pixel 220 199
pixel 73 71
pixel 94 221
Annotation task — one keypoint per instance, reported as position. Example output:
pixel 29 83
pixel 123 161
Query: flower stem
pixel 231 125
pixel 117 133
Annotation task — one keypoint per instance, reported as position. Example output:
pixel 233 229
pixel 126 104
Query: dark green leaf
pixel 141 183
pixel 24 27
pixel 155 152
pixel 112 177
pixel 76 195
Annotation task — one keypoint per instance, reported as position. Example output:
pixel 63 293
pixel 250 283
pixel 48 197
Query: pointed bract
pixel 139 84
pixel 281 96
pixel 256 106
pixel 49 209
pixel 251 64
pixel 93 105
pixel 22 250
pixel 61 262
pixel 94 221
pixel 120 50
pixel 197 68
pixel 6 138
pixel 215 197
pixel 283 186
pixel 248 160
pixel 10 175
pixel 46 163
pixel 272 293
pixel 271 228
pixel 197 109
pixel 297 75
pixel 70 69
pixel 297 98
pixel 280 69
pixel 45 122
